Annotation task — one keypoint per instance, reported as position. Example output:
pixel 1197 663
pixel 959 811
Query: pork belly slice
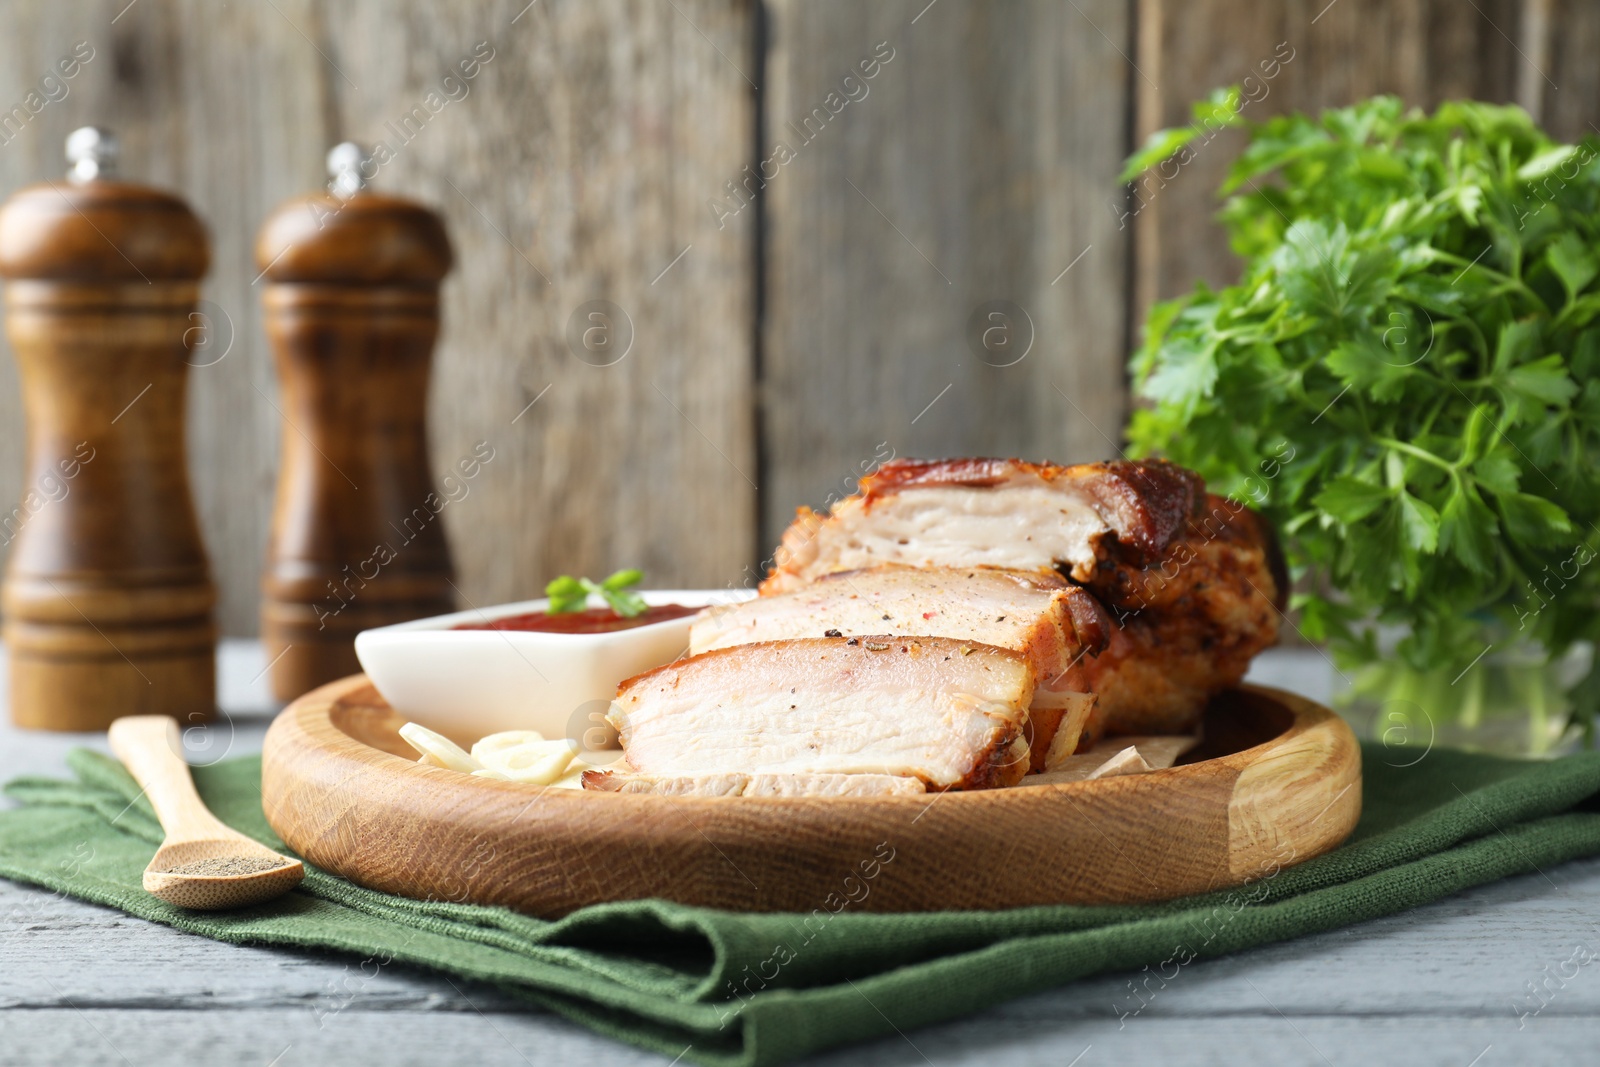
pixel 753 785
pixel 949 713
pixel 990 513
pixel 1050 622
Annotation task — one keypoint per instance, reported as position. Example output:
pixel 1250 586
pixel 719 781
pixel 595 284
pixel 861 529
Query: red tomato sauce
pixel 589 621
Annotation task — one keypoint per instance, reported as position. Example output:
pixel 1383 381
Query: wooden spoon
pixel 191 868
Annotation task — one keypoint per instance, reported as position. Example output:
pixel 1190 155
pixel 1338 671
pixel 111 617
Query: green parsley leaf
pixel 616 592
pixel 1350 500
pixel 1497 472
pixel 1466 530
pixel 1160 147
pixel 1533 387
pixel 1369 367
pixel 1572 262
pixel 569 594
pixel 1517 344
pixel 623 579
pixel 1419 523
pixel 1534 520
pixel 1185 378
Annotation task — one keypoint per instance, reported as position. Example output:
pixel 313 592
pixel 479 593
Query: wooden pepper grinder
pixel 107 596
pixel 352 309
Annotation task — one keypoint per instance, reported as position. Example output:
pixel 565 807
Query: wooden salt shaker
pixel 352 309
pixel 107 596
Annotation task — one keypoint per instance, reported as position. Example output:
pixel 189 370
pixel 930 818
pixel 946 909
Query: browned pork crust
pixel 1187 625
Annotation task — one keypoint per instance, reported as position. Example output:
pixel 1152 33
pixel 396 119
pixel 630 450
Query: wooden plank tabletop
pixel 1442 984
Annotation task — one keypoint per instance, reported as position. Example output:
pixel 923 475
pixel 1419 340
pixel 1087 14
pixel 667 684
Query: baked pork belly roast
pixel 1193 583
pixel 956 625
pixel 948 713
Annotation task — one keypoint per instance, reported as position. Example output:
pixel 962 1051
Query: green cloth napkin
pixel 730 988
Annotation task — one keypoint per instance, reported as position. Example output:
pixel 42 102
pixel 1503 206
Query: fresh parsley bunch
pixel 1406 378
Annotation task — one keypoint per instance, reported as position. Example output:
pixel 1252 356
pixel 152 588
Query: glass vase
pixel 1510 701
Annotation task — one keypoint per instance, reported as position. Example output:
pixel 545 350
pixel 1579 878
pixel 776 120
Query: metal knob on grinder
pixel 93 152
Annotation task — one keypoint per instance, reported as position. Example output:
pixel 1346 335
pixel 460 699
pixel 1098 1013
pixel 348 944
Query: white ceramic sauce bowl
pixel 467 684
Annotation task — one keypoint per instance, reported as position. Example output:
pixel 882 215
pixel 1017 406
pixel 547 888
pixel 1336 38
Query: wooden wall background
pixel 781 341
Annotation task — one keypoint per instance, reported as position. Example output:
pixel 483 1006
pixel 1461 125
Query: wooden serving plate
pixel 1276 782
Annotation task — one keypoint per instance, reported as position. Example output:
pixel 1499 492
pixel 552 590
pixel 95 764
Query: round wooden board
pixel 1276 782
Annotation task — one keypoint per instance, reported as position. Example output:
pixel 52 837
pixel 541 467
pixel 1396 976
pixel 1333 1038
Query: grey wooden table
pixel 1440 985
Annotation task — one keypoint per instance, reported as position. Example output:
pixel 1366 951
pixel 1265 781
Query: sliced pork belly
pixel 1051 623
pixel 949 713
pixel 990 513
pixel 753 785
pixel 1194 583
